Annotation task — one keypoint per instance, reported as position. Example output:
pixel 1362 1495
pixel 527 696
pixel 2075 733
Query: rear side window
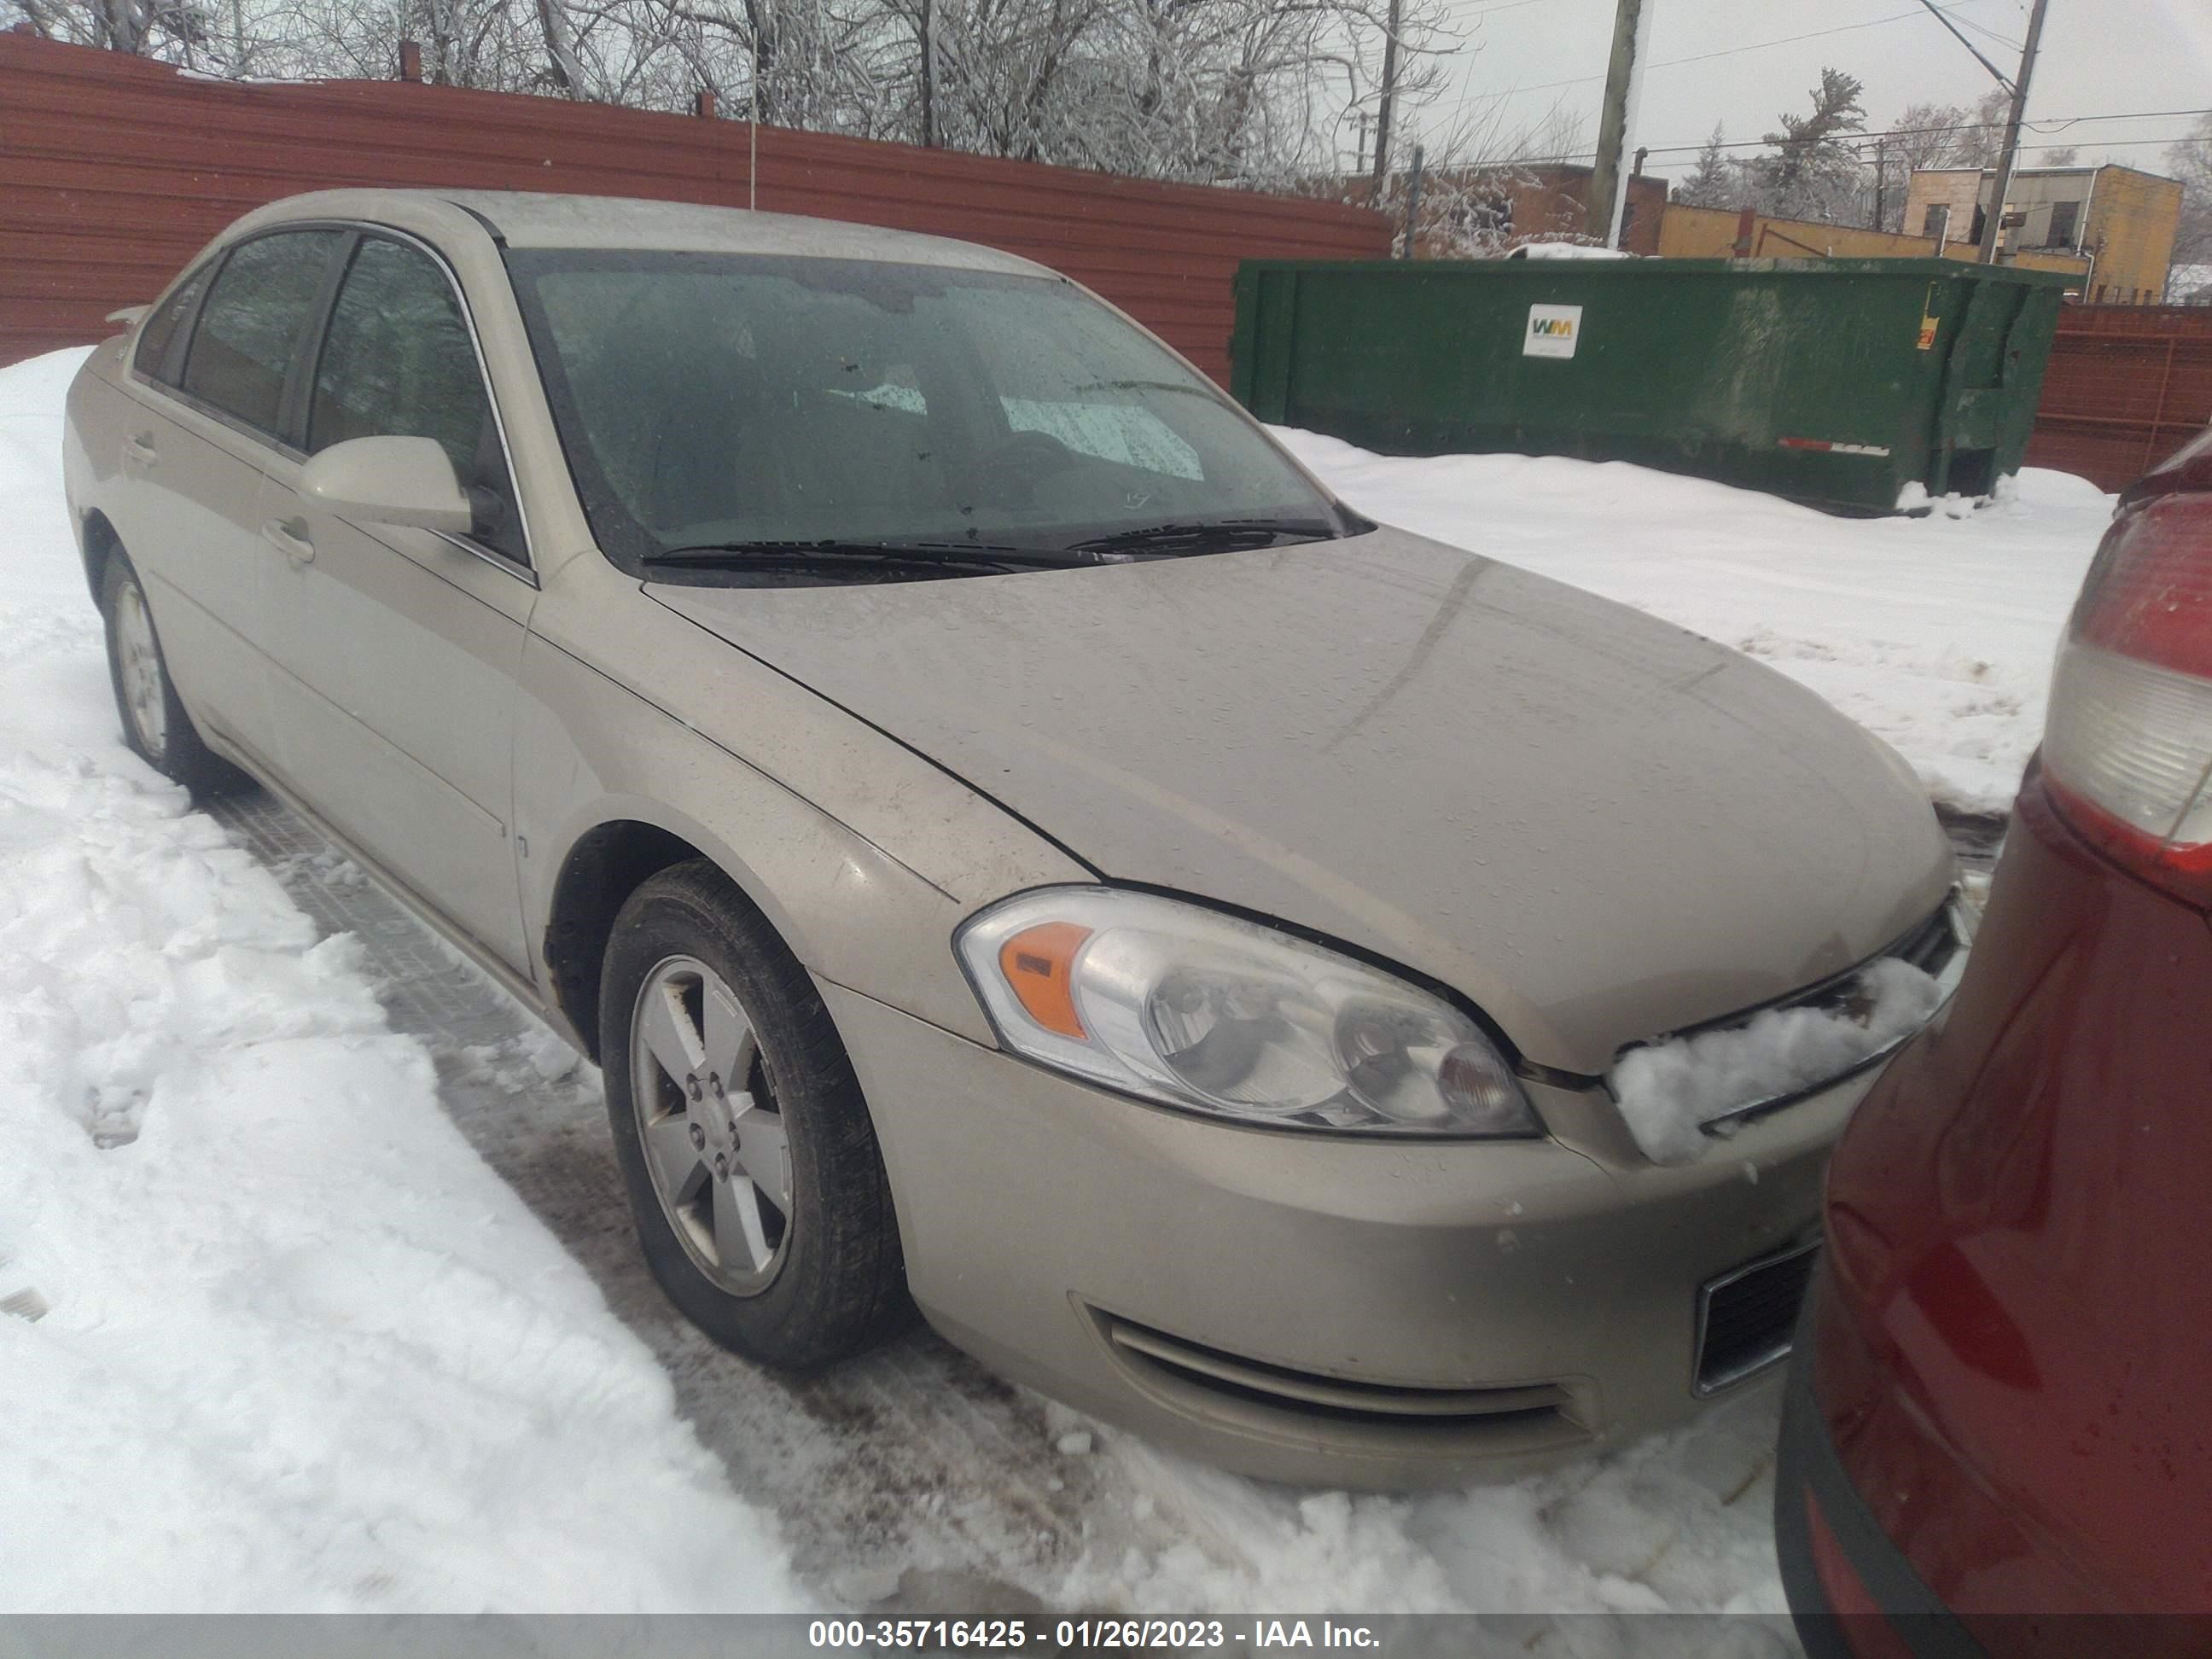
pixel 162 326
pixel 250 328
pixel 398 361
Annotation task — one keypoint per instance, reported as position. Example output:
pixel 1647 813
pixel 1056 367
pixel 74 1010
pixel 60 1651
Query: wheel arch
pixel 600 869
pixel 846 911
pixel 97 542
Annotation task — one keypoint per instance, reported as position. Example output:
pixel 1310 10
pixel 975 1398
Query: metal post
pixel 1412 203
pixel 752 126
pixel 1993 223
pixel 1389 97
pixel 928 74
pixel 1624 88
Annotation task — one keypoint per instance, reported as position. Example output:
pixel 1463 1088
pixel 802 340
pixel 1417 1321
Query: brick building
pixel 2120 221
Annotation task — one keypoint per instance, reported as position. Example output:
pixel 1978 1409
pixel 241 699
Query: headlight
pixel 1192 1008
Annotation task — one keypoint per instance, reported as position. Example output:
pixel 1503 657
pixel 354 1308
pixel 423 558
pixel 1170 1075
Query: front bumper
pixel 1316 1309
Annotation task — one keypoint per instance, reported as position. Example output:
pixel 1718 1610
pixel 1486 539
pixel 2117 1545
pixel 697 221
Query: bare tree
pixel 1487 186
pixel 1241 91
pixel 2191 161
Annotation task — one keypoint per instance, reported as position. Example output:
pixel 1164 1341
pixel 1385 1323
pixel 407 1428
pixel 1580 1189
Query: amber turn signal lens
pixel 1038 963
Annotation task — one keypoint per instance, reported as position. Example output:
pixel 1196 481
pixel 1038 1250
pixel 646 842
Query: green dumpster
pixel 1840 383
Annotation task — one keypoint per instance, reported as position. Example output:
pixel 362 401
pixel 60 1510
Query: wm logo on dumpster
pixel 1553 331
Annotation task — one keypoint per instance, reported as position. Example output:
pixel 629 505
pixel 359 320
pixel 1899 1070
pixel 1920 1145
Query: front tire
pixel 751 1163
pixel 154 724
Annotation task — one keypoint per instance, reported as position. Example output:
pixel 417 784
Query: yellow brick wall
pixel 1958 188
pixel 2132 218
pixel 1696 232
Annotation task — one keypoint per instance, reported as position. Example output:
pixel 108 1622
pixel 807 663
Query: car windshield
pixel 749 402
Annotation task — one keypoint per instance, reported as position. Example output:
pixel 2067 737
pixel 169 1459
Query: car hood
pixel 1597 826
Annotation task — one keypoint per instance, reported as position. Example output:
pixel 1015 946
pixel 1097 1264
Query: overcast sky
pixel 2098 58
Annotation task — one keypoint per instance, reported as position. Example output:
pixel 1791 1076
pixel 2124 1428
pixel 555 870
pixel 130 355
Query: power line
pixel 2050 123
pixel 1968 22
pixel 2053 123
pixel 1951 25
pixel 1787 39
pixel 1507 5
pixel 1707 56
pixel 1651 171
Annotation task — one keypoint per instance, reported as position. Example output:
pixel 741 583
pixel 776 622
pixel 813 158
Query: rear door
pixel 395 649
pixel 209 378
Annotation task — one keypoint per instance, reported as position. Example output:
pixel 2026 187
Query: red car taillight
pixel 2127 751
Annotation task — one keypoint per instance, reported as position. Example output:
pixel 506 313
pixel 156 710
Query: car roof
pixel 527 220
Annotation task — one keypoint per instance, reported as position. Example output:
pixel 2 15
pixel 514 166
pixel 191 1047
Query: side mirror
pixel 398 481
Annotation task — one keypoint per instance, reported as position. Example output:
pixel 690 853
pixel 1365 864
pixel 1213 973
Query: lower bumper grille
pixel 1535 1418
pixel 1745 1316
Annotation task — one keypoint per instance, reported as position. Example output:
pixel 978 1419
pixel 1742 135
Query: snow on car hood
pixel 1594 824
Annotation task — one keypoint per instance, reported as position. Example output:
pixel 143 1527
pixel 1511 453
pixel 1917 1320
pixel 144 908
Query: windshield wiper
pixel 831 555
pixel 1188 391
pixel 1209 536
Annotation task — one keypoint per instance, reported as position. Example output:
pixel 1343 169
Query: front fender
pixel 590 753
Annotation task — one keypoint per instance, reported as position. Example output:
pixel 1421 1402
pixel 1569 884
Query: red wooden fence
pixel 114 170
pixel 2127 386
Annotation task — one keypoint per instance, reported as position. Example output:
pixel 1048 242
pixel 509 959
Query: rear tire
pixel 156 726
pixel 751 1163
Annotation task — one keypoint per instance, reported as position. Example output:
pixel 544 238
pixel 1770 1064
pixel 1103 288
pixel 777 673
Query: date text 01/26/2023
pixel 881 1635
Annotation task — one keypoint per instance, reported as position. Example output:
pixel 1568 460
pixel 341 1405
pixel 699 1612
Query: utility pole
pixel 1359 153
pixel 752 127
pixel 929 73
pixel 1412 204
pixel 1624 85
pixel 1880 221
pixel 1993 224
pixel 1389 97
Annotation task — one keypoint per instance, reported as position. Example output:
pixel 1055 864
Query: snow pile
pixel 280 1339
pixel 1676 1522
pixel 1934 633
pixel 1667 1091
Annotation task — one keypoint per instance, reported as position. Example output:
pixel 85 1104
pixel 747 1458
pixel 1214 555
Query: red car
pixel 2000 1407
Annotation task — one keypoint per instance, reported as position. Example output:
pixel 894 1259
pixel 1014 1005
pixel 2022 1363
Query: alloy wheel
pixel 714 1143
pixel 139 667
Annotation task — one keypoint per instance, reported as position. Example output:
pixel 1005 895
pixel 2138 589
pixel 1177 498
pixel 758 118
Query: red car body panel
pixel 2016 1362
pixel 2001 1405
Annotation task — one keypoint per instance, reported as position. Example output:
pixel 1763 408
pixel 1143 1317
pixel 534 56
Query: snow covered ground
pixel 1936 632
pixel 301 1348
pixel 340 1308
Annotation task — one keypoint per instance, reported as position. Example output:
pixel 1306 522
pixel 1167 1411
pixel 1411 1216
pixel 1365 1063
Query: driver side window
pixel 398 361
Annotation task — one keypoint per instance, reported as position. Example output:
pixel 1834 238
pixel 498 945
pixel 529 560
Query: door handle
pixel 140 448
pixel 288 542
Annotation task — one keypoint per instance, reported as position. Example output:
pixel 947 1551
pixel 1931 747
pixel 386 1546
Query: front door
pixel 396 649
